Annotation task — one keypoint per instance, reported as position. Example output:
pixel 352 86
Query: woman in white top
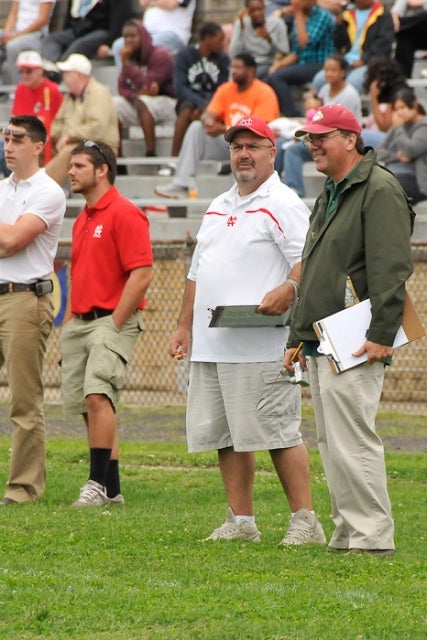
pixel 26 24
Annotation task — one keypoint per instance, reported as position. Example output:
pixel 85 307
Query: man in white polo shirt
pixel 32 208
pixel 248 252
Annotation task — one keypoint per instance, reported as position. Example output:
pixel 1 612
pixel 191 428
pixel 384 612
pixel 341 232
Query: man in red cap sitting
pixel 358 246
pixel 248 253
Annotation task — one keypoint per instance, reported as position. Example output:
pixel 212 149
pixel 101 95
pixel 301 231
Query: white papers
pixel 343 333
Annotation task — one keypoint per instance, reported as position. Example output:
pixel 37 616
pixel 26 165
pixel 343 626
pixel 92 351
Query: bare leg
pixel 147 123
pixel 181 126
pixel 293 468
pixel 102 427
pixel 238 471
pixel 115 449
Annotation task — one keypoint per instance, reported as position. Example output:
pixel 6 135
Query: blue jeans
pixel 295 74
pixel 3 166
pixel 295 156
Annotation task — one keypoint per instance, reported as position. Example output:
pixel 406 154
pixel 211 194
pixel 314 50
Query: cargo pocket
pixel 279 397
pixel 111 364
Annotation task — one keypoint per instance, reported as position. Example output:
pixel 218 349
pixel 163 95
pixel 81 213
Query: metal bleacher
pixel 173 219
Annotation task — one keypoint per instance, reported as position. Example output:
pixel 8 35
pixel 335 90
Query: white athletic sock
pixel 250 519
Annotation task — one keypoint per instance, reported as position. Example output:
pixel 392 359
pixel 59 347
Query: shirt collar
pixel 103 202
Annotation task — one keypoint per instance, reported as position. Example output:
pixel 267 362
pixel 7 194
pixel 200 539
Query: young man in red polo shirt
pixel 111 269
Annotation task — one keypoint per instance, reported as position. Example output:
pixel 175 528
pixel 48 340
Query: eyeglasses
pixel 15 136
pixel 24 70
pixel 252 147
pixel 319 140
pixel 90 144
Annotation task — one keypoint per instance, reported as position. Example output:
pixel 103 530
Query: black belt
pixel 15 287
pixel 94 314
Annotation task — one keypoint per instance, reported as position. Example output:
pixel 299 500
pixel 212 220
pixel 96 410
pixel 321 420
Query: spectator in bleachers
pixel 336 91
pixel 26 24
pixel 410 24
pixel 262 37
pixel 311 43
pixel 361 33
pixel 199 70
pixel 87 112
pixel 243 96
pixel 168 22
pixel 383 79
pixel 404 149
pixel 88 25
pixel 35 95
pixel 147 95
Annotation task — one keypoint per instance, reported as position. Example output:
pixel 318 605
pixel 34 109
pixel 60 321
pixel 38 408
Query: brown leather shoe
pixel 7 501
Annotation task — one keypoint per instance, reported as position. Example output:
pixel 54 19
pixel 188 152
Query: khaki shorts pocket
pixel 279 396
pixel 111 363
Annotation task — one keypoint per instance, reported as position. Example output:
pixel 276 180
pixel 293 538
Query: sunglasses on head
pixel 90 144
pixel 15 136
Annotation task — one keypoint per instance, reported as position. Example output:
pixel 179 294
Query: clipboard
pixel 244 315
pixel 342 333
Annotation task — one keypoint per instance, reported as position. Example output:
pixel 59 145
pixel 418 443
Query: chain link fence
pixel 154 378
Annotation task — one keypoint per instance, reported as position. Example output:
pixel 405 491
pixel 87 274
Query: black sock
pixel 99 463
pixel 112 483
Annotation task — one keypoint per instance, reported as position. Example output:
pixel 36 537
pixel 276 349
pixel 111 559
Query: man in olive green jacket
pixel 360 234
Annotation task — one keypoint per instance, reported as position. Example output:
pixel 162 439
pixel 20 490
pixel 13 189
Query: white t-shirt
pixel 349 97
pixel 178 20
pixel 245 248
pixel 28 12
pixel 44 198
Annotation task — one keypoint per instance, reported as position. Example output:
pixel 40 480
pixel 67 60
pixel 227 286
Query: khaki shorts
pixel 247 406
pixel 162 108
pixel 94 359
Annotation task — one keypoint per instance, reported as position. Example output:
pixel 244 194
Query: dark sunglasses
pixel 90 144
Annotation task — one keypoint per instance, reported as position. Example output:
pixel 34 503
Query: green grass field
pixel 141 572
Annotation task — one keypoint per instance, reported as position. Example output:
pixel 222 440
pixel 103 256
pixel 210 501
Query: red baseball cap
pixel 250 123
pixel 330 118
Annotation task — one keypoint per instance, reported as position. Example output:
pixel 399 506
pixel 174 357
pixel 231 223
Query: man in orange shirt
pixel 244 95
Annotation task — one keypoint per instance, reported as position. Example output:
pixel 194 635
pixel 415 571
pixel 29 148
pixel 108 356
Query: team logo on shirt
pixel 231 221
pixel 98 231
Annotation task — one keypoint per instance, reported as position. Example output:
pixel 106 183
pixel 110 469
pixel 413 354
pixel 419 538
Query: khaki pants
pixel 352 453
pixel 25 325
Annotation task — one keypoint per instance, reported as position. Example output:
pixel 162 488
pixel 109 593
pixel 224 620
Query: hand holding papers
pixel 343 333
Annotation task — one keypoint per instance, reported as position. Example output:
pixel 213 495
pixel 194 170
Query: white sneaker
pixel 167 170
pixel 232 530
pixel 172 190
pixel 304 528
pixel 117 500
pixel 91 495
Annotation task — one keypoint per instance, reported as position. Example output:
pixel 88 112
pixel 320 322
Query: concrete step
pixel 209 186
pixel 108 75
pixel 162 228
pixel 313 180
pixel 420 226
pixel 140 165
pixel 136 146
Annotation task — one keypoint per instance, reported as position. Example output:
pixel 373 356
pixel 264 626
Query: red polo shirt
pixel 110 239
